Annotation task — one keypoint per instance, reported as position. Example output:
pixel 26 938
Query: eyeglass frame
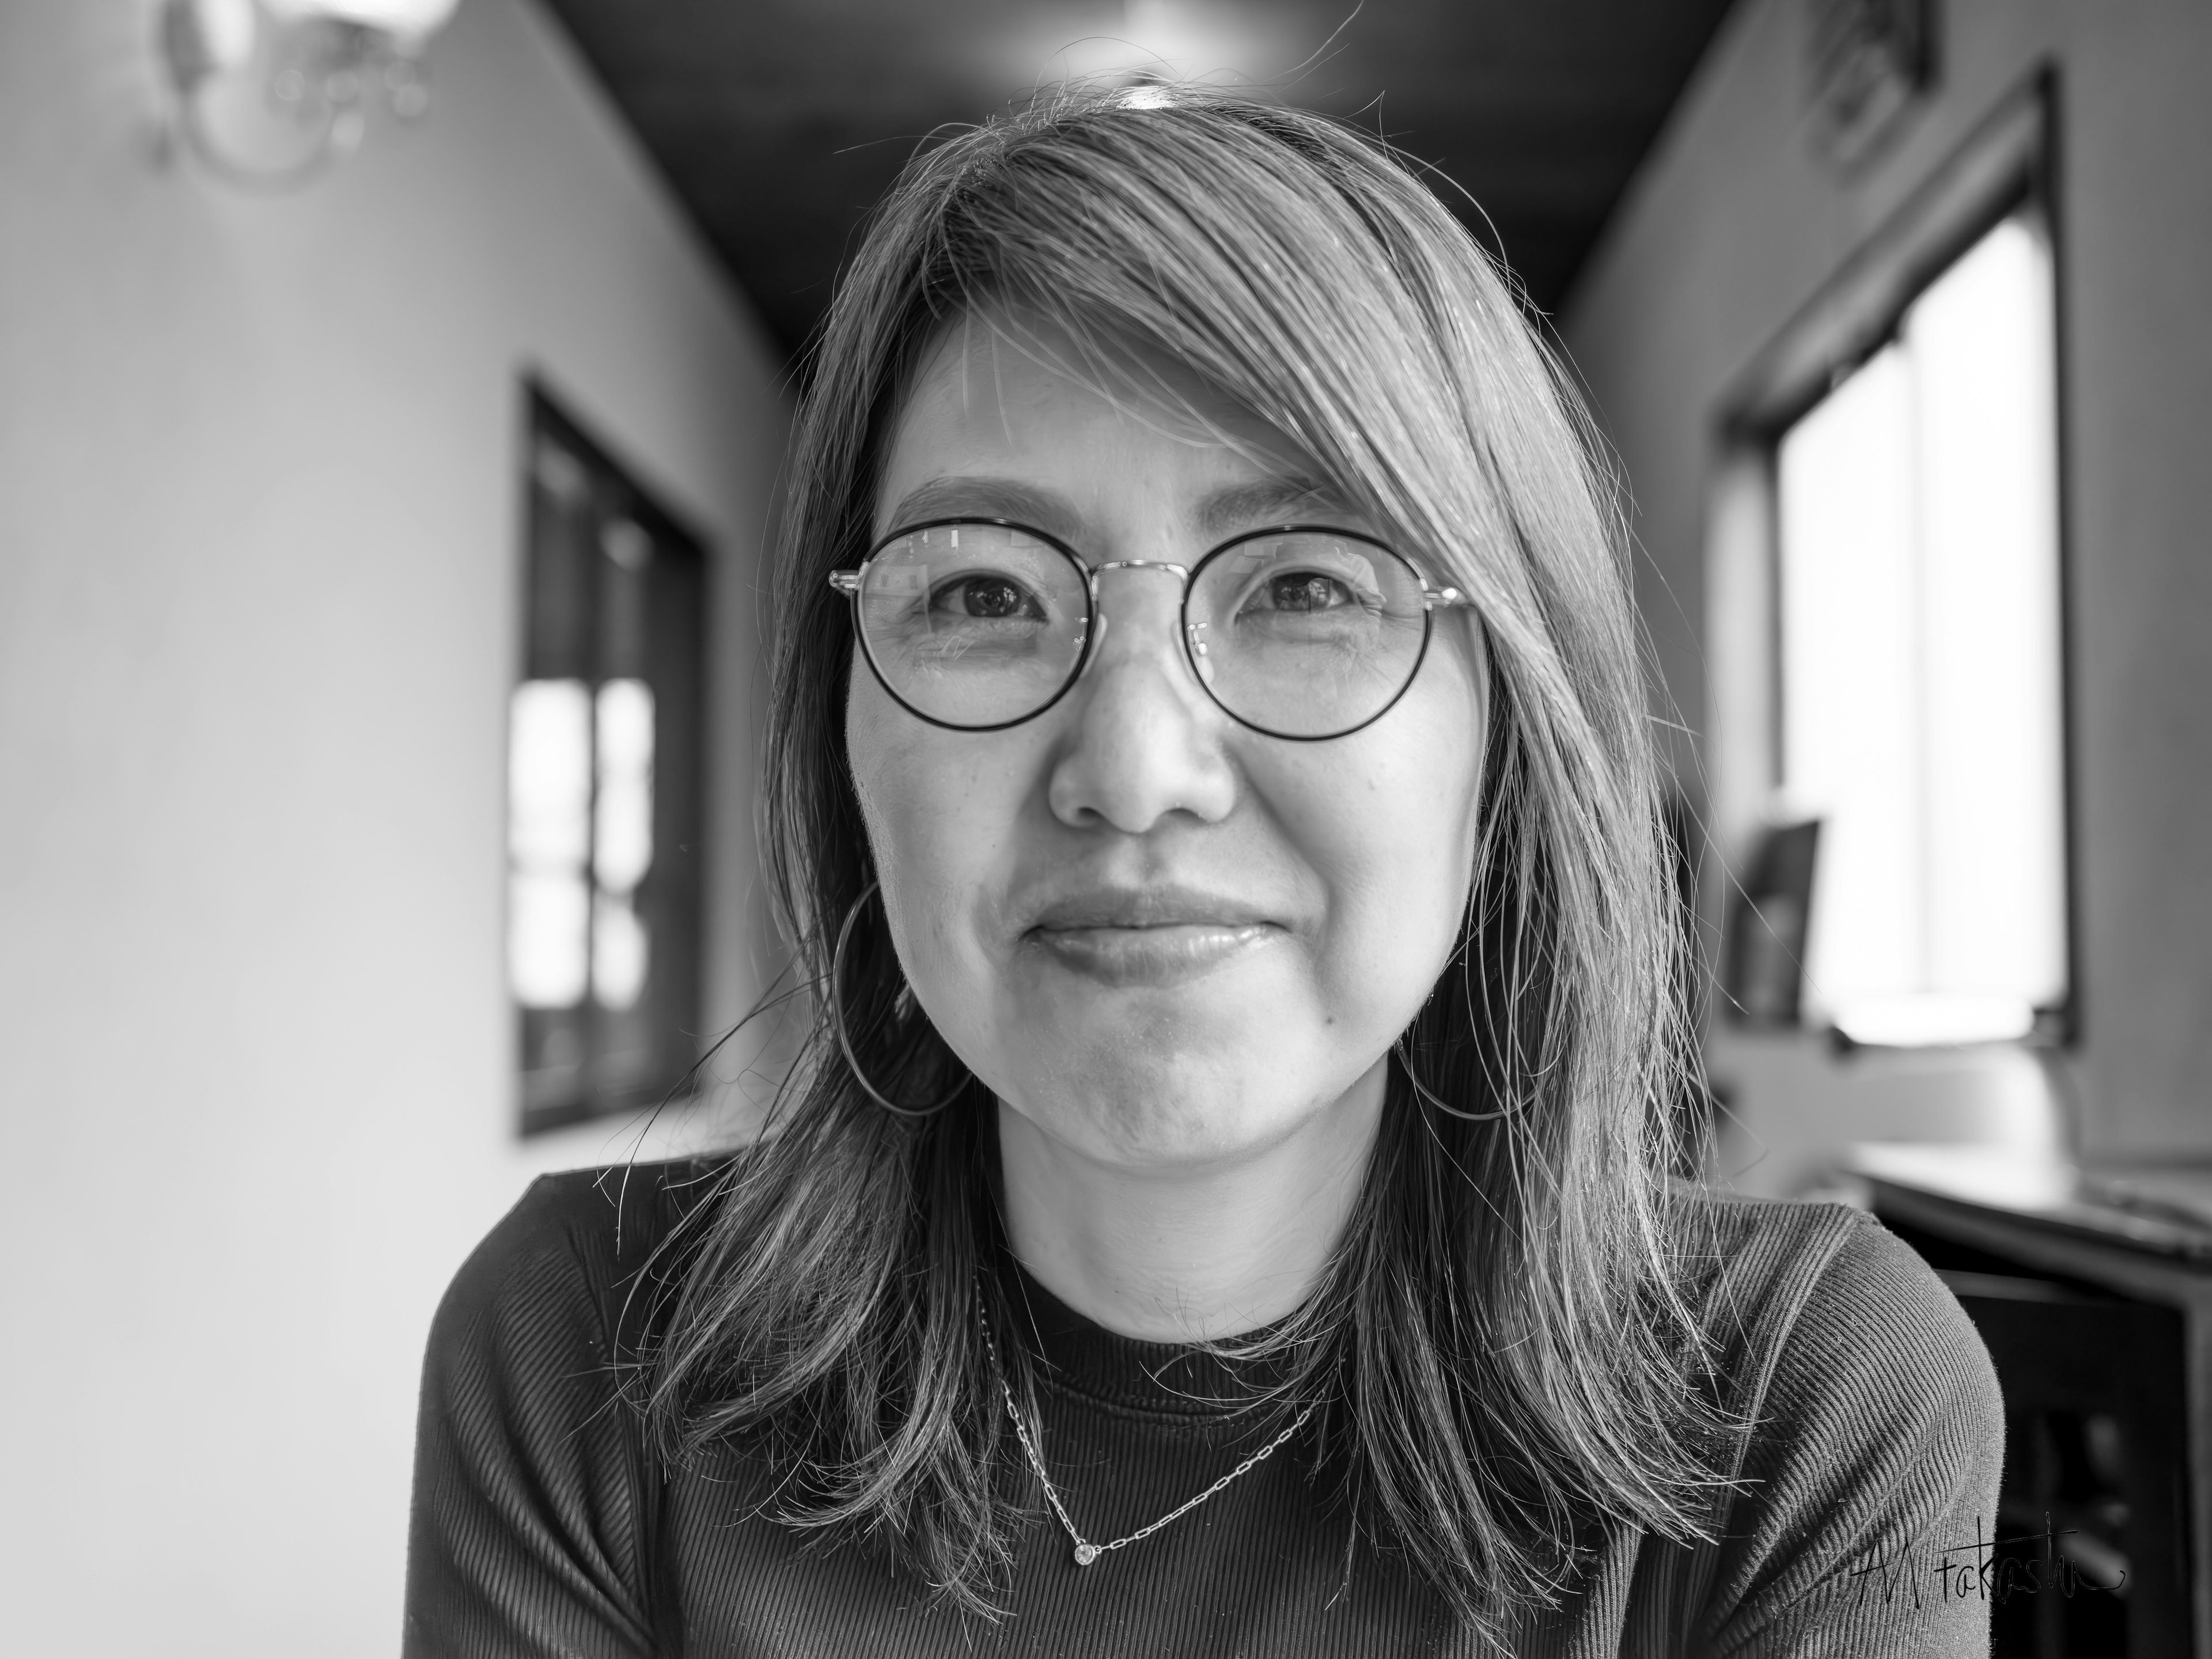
pixel 848 582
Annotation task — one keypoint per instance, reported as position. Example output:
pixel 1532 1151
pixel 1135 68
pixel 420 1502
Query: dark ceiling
pixel 779 121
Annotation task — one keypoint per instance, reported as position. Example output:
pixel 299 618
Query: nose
pixel 1145 740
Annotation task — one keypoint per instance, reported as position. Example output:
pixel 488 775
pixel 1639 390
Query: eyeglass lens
pixel 1302 634
pixel 973 624
pixel 1305 634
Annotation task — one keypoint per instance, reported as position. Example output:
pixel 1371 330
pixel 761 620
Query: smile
pixel 1160 954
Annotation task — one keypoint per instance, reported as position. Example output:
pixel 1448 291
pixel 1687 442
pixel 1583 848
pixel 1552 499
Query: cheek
pixel 1389 824
pixel 939 808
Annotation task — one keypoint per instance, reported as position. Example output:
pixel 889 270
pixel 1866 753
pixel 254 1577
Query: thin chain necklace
pixel 1085 1552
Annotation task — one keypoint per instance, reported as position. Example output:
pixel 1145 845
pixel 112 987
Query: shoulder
pixel 1871 1428
pixel 573 1246
pixel 1803 1296
pixel 540 1317
pixel 531 1511
pixel 540 1326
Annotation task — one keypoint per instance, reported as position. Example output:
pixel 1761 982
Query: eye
pixel 994 598
pixel 1302 591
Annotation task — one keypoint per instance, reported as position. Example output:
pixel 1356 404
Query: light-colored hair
pixel 1502 1352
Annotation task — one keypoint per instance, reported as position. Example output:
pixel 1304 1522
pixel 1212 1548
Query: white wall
pixel 1732 225
pixel 259 561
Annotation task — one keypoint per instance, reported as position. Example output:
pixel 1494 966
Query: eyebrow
pixel 1264 502
pixel 988 498
pixel 1270 502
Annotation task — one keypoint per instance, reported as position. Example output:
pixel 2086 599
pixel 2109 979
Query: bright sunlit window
pixel 1920 663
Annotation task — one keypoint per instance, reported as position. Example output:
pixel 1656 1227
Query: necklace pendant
pixel 1085 1554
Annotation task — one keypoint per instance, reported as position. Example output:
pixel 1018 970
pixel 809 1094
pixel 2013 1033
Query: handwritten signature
pixel 1967 1571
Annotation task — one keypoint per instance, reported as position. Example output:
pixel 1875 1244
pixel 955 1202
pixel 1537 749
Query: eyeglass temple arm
pixel 845 582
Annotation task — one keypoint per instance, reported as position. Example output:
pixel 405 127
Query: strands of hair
pixel 1506 1354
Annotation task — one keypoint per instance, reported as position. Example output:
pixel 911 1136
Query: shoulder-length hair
pixel 1501 1352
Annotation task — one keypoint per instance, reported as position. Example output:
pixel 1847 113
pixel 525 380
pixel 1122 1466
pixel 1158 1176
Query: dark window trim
pixel 2005 164
pixel 541 411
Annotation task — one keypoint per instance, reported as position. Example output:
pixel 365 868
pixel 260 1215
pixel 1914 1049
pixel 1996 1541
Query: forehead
pixel 1003 410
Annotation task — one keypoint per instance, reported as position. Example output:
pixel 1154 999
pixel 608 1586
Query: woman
pixel 1223 1207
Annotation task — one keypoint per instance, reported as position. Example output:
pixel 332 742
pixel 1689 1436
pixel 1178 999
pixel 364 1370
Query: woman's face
pixel 1161 938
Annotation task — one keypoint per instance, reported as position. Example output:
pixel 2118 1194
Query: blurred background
pixel 393 394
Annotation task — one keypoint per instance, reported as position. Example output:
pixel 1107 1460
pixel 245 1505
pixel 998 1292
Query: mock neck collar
pixel 1078 1356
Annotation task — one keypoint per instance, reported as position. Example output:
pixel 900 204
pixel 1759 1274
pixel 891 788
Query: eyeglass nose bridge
pixel 1181 573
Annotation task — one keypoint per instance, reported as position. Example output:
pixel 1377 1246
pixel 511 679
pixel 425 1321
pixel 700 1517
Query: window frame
pixel 682 788
pixel 2007 167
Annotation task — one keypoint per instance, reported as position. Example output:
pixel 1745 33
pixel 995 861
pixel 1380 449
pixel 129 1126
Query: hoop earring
pixel 844 1038
pixel 1421 1091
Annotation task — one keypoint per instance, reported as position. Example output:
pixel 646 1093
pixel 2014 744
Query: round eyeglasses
pixel 1298 631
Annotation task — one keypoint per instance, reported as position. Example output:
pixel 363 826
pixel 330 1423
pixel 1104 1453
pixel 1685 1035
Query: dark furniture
pixel 2093 1289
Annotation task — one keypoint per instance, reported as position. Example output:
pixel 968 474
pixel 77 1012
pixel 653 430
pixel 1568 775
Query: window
pixel 604 788
pixel 1921 705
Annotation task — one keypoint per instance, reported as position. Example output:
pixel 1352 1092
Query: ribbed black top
pixel 541 1529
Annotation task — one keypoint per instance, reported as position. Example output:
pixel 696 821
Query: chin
pixel 1159 1106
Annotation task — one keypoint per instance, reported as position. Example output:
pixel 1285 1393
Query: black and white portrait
pixel 1155 828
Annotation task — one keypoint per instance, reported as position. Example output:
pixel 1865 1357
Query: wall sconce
pixel 270 93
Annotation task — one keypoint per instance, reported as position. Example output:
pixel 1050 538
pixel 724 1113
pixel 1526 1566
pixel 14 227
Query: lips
pixel 1156 936
pixel 1163 906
